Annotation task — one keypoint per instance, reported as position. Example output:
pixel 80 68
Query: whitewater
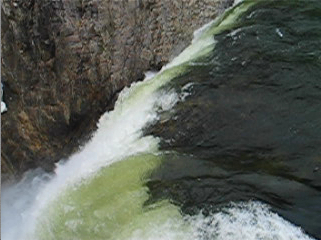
pixel 100 192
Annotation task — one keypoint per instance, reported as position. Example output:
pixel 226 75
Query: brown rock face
pixel 63 62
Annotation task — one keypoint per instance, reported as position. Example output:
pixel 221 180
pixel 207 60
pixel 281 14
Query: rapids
pixel 153 170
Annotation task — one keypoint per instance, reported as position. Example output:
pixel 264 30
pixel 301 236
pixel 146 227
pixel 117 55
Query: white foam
pixel 168 102
pixel 237 2
pixel 198 33
pixel 119 135
pixel 278 31
pixel 240 221
pixel 186 91
pixel 250 221
pixel 17 201
pixel 3 104
pixel 3 107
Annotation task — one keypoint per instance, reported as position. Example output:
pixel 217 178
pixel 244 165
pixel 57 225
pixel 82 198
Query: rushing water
pixel 222 143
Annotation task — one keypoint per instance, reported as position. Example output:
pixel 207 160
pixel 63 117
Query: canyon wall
pixel 64 61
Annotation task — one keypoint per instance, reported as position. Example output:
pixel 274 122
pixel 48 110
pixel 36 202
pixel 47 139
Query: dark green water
pixel 251 127
pixel 222 144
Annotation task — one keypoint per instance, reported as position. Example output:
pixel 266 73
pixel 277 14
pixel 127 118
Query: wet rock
pixel 64 61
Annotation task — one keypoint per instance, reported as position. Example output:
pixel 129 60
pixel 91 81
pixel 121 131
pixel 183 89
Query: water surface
pixel 222 143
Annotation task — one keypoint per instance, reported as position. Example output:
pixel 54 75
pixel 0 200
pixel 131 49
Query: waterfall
pixel 101 193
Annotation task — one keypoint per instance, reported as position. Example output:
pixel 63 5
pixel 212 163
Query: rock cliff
pixel 64 61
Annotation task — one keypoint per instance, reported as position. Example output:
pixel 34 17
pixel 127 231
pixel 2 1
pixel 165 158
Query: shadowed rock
pixel 63 63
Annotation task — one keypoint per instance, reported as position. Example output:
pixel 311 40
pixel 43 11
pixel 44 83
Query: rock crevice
pixel 64 61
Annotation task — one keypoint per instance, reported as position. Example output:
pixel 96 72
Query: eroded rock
pixel 64 61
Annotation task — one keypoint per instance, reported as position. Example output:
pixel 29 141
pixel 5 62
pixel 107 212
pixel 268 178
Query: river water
pixel 222 143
